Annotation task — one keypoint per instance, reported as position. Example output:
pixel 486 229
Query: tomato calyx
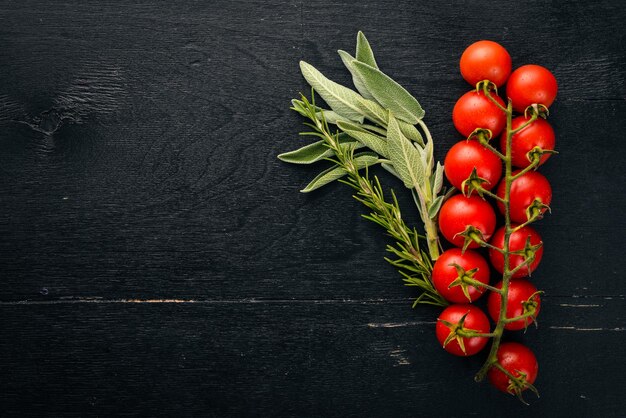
pixel 482 135
pixel 458 332
pixel 487 88
pixel 465 279
pixel 474 183
pixel 517 384
pixel 537 109
pixel 471 234
pixel 486 85
pixel 529 252
pixel 530 310
pixel 535 154
pixel 536 210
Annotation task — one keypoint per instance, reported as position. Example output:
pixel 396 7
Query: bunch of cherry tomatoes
pixel 468 219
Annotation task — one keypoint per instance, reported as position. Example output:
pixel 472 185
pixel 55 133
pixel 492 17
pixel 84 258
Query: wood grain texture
pixel 157 259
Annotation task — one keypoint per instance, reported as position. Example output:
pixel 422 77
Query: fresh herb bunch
pixel 384 118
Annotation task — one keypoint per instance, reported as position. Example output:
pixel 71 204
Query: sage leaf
pixel 299 104
pixel 365 159
pixel 389 93
pixel 316 151
pixel 356 78
pixel 424 157
pixel 373 111
pixel 327 176
pixel 411 132
pixel 438 180
pixel 341 99
pixel 428 156
pixel 331 117
pixel 390 169
pixel 335 172
pixel 404 156
pixel 434 207
pixel 418 198
pixel 374 142
pixel 364 51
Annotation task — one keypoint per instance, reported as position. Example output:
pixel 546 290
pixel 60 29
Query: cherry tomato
pixel 475 320
pixel 485 60
pixel 459 211
pixel 464 156
pixel 531 84
pixel 474 110
pixel 538 134
pixel 524 190
pixel 520 291
pixel 444 273
pixel 519 361
pixel 517 242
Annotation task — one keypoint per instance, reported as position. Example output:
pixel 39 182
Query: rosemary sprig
pixel 413 264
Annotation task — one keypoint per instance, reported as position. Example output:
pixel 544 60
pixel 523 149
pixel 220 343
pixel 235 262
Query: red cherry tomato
pixel 520 291
pixel 531 84
pixel 519 361
pixel 459 211
pixel 538 134
pixel 524 190
pixel 444 273
pixel 475 320
pixel 517 242
pixel 464 156
pixel 485 60
pixel 474 110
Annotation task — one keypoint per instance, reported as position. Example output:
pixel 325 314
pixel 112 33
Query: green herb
pixel 412 262
pixel 382 118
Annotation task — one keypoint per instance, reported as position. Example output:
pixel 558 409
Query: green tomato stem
pixel 476 283
pixel 525 170
pixel 526 315
pixel 506 275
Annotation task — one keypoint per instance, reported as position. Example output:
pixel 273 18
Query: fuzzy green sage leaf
pixel 374 142
pixel 335 172
pixel 331 117
pixel 404 156
pixel 341 99
pixel 316 151
pixel 373 111
pixel 438 179
pixel 434 207
pixel 389 93
pixel 356 78
pixel 364 51
pixel 411 132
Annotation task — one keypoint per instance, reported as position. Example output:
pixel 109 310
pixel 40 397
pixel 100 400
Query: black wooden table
pixel 157 259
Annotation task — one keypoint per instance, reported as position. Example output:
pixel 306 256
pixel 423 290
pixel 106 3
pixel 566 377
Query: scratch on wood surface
pixel 99 299
pixel 398 324
pixel 568 305
pixel 72 300
pixel 587 329
pixel 399 357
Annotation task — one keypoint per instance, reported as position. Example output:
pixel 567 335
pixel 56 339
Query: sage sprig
pixel 412 262
pixel 383 118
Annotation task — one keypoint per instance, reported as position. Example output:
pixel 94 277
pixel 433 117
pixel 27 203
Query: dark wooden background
pixel 157 259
